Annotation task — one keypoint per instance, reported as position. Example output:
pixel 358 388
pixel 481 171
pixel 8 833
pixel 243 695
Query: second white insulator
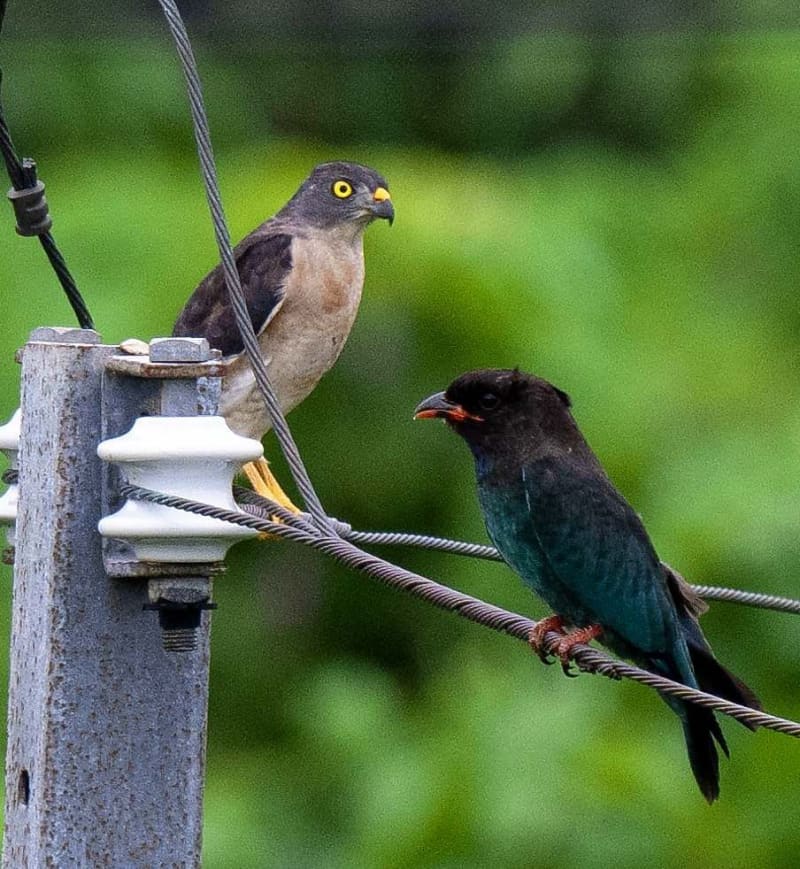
pixel 194 457
pixel 9 444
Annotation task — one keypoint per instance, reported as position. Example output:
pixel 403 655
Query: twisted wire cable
pixel 423 541
pixel 749 598
pixel 489 553
pixel 268 508
pixel 231 273
pixel 22 174
pixel 587 659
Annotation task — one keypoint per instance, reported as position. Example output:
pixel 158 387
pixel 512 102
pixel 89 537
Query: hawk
pixel 302 272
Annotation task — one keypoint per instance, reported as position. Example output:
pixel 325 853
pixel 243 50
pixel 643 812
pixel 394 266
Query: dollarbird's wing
pixel 598 555
pixel 595 546
pixel 264 262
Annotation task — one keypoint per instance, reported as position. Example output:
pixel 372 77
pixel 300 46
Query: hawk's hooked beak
pixel 439 407
pixel 382 204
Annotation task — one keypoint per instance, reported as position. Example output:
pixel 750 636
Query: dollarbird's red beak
pixel 439 407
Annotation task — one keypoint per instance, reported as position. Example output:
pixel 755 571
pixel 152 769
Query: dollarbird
pixel 302 272
pixel 559 522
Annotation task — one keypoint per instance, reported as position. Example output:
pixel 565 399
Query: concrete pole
pixel 106 746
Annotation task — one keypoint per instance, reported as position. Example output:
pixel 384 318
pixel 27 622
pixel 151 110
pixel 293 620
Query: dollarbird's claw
pixel 539 631
pixel 264 483
pixel 572 639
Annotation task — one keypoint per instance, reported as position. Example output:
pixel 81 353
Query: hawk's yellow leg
pixel 264 483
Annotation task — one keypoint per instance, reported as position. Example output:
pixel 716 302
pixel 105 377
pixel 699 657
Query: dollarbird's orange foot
pixel 538 633
pixel 575 638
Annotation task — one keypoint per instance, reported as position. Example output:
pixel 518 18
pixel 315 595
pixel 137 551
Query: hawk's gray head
pixel 338 193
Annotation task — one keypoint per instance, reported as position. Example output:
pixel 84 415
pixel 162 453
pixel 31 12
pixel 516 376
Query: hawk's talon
pixel 264 483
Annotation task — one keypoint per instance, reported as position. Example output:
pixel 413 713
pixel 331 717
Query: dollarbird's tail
pixel 701 731
pixel 713 678
pixel 700 727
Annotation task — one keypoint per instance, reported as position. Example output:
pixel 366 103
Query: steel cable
pixel 22 174
pixel 231 274
pixel 266 507
pixel 587 659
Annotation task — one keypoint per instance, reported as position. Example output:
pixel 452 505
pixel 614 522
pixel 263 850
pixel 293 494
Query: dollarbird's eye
pixel 488 401
pixel 342 189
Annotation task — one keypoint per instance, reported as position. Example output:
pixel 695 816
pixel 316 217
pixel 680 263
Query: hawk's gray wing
pixel 264 263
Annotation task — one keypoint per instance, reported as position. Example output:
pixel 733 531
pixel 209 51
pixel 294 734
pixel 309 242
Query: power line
pixel 30 208
pixel 231 274
pixel 588 659
pixel 264 507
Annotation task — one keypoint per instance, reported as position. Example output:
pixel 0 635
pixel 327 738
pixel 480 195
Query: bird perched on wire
pixel 558 521
pixel 302 272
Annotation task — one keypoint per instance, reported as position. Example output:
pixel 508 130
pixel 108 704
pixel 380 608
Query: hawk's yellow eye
pixel 342 189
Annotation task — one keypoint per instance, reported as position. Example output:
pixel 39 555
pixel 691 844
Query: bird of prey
pixel 302 272
pixel 560 523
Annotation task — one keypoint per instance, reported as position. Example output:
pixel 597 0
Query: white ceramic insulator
pixel 9 444
pixel 194 457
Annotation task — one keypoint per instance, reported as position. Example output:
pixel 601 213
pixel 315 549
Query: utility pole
pixel 106 729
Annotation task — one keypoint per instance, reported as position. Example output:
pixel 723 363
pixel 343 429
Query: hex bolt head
pixel 179 350
pixel 64 335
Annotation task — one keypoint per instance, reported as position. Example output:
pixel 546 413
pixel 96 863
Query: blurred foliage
pixel 439 78
pixel 620 217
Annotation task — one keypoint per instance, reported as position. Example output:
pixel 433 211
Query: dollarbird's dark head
pixel 505 411
pixel 340 193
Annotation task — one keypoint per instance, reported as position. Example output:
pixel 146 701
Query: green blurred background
pixel 606 195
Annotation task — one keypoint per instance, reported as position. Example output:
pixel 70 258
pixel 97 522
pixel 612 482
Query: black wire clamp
pixel 30 205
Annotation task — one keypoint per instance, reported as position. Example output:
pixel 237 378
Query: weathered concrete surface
pixel 106 746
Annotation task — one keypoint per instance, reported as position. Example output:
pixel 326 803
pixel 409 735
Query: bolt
pixel 179 604
pixel 179 350
pixel 64 335
pixel 179 623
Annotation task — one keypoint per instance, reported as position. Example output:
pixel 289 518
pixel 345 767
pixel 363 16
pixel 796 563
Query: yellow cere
pixel 342 189
pixel 381 194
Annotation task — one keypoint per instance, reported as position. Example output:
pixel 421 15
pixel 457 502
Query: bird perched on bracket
pixel 558 521
pixel 302 273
